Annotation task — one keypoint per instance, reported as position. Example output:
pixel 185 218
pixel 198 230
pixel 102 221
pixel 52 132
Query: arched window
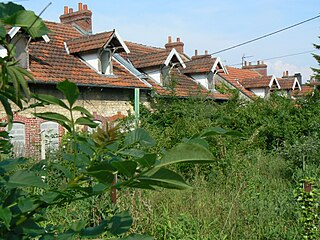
pixel 50 133
pixel 18 138
pixel 91 130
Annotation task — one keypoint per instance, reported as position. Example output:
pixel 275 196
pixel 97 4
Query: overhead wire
pixel 266 35
pixel 283 56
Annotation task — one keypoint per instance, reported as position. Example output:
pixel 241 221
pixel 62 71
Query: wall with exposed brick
pixel 106 104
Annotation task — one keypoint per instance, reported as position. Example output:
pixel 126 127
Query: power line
pixel 283 56
pixel 266 35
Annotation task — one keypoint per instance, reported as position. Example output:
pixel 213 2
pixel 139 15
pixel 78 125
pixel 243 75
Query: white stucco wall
pixel 260 92
pixel 201 78
pixel 154 73
pixel 91 59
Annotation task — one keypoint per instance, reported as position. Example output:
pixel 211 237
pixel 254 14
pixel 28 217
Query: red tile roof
pixel 258 82
pixel 86 43
pixel 50 63
pixel 199 65
pixel 184 86
pixel 139 49
pixel 149 59
pixel 235 75
pixel 305 90
pixel 287 83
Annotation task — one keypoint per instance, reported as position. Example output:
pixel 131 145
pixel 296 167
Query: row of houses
pixel 109 70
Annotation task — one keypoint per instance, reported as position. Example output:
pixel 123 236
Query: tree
pixel 317 57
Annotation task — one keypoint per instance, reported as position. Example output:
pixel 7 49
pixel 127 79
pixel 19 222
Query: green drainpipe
pixel 136 106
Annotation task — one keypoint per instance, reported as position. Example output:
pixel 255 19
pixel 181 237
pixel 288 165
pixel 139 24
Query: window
pixel 17 134
pixel 91 130
pixel 105 63
pixel 50 133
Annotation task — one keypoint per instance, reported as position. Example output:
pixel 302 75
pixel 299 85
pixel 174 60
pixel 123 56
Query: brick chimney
pixel 260 67
pixel 197 56
pixel 81 19
pixel 178 45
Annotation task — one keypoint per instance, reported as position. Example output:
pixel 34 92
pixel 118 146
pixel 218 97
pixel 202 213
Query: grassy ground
pixel 253 201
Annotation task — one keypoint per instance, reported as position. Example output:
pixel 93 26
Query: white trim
pixel 116 34
pixel 66 47
pixel 143 81
pixel 171 54
pixel 46 38
pixel 218 60
pixel 296 82
pixel 273 78
pixel 13 31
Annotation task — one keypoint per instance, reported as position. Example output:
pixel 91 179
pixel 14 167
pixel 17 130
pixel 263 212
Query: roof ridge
pixel 144 45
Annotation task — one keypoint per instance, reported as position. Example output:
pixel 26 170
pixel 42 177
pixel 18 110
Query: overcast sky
pixel 210 25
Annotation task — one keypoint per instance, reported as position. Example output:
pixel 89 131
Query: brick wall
pixel 106 104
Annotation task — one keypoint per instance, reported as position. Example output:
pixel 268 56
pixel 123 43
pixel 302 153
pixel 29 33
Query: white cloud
pixel 278 67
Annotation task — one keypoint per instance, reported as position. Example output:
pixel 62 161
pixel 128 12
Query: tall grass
pixel 253 201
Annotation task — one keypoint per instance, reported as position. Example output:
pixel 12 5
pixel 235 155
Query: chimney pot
pixel 70 10
pixel 249 63
pixel 196 52
pixel 262 62
pixel 178 39
pixel 80 6
pixel 206 52
pixel 287 73
pixel 85 7
pixel 66 10
pixel 258 62
pixel 169 39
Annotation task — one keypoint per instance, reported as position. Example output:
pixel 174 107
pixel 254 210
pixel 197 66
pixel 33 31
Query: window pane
pixel 50 132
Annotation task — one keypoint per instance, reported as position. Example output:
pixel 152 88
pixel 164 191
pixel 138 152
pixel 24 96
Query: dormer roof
pixel 260 82
pixel 158 58
pixel 97 41
pixel 289 83
pixel 205 64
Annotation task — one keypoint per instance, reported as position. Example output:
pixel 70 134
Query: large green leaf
pixel 86 121
pixel 6 216
pixel 133 152
pixel 29 21
pixel 141 136
pixel 70 91
pixel 51 100
pixel 94 231
pixel 8 9
pixel 162 178
pixel 27 204
pixel 55 117
pixel 148 160
pixel 26 179
pixel 7 107
pixel 103 172
pixel 127 168
pixel 83 111
pixel 186 152
pixel 11 164
pixel 120 223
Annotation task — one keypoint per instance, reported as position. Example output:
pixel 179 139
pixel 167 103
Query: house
pixel 107 70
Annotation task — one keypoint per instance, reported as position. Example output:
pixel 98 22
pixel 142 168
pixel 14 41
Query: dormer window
pixel 105 62
pixel 97 50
